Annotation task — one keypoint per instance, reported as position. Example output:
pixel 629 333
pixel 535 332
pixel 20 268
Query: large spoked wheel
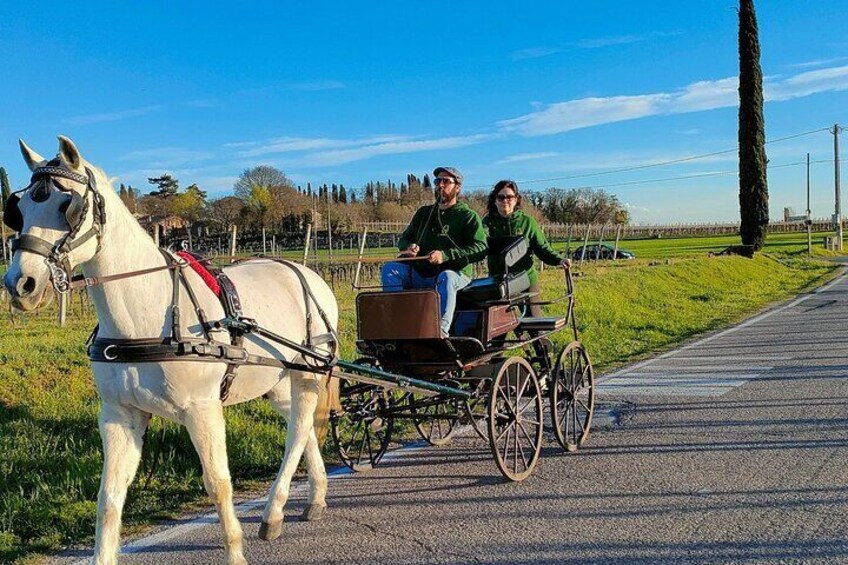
pixel 362 430
pixel 515 418
pixel 435 417
pixel 572 396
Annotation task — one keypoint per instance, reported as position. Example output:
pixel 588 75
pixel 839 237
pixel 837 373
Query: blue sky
pixel 348 92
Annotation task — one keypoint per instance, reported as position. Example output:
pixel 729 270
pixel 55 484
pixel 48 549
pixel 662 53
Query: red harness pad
pixel 202 271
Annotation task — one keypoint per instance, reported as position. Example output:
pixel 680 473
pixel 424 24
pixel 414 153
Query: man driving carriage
pixel 448 236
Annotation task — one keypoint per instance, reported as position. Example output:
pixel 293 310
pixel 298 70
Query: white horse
pixel 184 391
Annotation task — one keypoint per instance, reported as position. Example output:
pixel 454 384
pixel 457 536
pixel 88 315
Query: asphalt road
pixel 732 449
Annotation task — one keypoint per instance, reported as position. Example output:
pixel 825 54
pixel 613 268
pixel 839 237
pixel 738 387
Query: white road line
pixel 736 359
pixel 299 487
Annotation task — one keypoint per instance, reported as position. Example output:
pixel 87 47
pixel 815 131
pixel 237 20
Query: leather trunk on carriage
pixel 406 314
pixel 486 323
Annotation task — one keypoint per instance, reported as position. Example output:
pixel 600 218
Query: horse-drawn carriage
pixel 172 337
pixel 491 373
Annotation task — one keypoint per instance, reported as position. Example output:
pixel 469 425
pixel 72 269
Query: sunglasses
pixel 505 197
pixel 440 180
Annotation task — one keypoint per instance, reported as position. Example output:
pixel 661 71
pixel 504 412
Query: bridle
pixel 57 255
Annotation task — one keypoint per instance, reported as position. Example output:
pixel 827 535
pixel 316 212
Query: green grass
pixel 662 248
pixel 50 464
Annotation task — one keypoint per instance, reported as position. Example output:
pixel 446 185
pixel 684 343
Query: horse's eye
pixel 40 193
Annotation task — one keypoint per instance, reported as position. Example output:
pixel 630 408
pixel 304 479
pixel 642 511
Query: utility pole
pixel 838 216
pixel 809 220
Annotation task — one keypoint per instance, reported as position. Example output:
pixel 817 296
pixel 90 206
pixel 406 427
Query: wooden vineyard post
pixel 615 249
pixel 585 243
pixel 306 242
pixel 233 234
pixel 362 239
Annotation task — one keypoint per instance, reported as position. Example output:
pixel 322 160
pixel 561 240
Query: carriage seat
pixel 496 288
pixel 511 249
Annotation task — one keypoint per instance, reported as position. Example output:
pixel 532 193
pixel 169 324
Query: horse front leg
pixel 304 395
pixel 122 432
pixel 205 424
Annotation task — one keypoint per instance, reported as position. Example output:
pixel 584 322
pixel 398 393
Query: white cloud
pixel 817 63
pixel 294 144
pixel 533 53
pixel 110 116
pixel 341 156
pixel 810 82
pixel 170 153
pixel 696 97
pixel 528 157
pixel 595 43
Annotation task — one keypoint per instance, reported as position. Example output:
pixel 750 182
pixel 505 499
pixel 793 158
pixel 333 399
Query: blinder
pixel 74 211
pixel 12 216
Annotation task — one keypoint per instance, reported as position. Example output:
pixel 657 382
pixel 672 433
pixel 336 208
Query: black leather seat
pixel 496 288
pixel 507 286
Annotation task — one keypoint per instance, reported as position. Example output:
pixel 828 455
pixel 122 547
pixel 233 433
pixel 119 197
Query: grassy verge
pixel 50 463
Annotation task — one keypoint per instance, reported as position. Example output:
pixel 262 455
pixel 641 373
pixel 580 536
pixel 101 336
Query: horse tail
pixel 328 399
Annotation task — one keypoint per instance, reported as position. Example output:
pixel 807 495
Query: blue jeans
pixel 401 276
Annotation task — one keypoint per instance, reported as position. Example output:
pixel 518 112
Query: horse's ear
pixel 31 158
pixel 69 152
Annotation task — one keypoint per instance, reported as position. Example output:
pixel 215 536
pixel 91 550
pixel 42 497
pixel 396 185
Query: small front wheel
pixel 362 429
pixel 572 396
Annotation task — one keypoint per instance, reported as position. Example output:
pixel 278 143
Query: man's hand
pixel 565 263
pixel 410 251
pixel 436 257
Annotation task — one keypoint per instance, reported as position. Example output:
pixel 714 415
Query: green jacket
pixel 457 232
pixel 520 223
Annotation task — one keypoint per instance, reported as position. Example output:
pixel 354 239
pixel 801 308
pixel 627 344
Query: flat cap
pixel 449 170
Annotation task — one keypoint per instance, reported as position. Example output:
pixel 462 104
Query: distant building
pixel 164 224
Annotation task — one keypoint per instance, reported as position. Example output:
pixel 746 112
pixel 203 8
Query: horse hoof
pixel 314 512
pixel 270 532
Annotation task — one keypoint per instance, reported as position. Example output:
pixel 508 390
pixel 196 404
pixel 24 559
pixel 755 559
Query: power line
pixel 689 177
pixel 660 163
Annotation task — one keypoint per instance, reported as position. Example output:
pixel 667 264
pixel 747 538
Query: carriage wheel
pixel 361 430
pixel 515 418
pixel 436 418
pixel 572 396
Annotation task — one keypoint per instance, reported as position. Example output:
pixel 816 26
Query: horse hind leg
pixel 316 505
pixel 122 431
pixel 304 399
pixel 205 424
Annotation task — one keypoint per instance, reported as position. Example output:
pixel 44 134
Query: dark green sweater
pixel 457 232
pixel 520 223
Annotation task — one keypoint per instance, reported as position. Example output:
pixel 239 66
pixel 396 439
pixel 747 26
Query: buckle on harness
pixel 106 352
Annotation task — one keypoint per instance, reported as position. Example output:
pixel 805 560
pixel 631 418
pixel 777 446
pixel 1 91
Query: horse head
pixel 59 218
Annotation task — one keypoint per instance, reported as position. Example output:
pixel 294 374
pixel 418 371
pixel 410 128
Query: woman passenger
pixel 504 218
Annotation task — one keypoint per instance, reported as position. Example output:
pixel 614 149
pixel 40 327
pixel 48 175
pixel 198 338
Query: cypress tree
pixel 753 184
pixel 342 194
pixel 4 185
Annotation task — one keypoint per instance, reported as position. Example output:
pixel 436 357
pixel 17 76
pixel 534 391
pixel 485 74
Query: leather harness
pixel 178 347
